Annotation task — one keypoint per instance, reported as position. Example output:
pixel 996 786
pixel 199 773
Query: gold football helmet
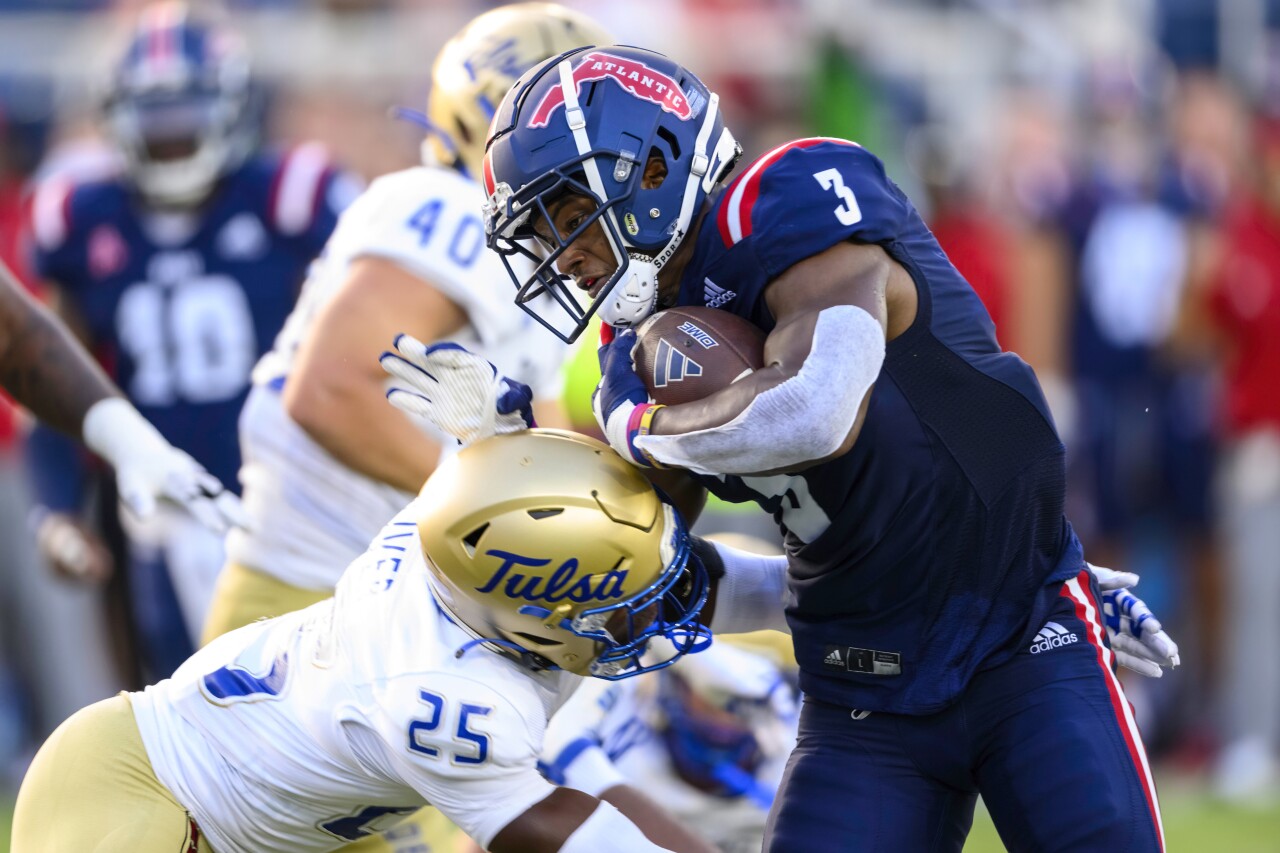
pixel 546 546
pixel 477 66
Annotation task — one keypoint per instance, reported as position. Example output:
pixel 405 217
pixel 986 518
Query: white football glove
pixel 148 468
pixel 1137 638
pixel 572 755
pixel 459 392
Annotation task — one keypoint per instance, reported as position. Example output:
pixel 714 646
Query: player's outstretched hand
pixel 148 468
pixel 621 402
pixel 459 392
pixel 1136 636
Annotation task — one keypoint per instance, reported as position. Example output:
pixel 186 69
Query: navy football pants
pixel 1048 739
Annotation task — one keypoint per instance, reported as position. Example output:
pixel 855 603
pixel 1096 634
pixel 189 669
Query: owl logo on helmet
pixel 180 105
pixel 548 547
pixel 477 66
pixel 590 122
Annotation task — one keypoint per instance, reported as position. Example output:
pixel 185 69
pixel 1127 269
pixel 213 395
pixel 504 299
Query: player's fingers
pixel 1163 647
pixel 448 352
pixel 406 371
pixel 414 404
pixel 231 509
pixel 1110 579
pixel 1158 649
pixel 409 346
pixel 206 512
pixel 135 494
pixel 208 485
pixel 457 359
pixel 1138 665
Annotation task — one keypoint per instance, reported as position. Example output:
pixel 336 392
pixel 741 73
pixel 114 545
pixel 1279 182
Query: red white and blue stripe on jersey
pixel 734 218
pixel 1089 612
pixel 296 191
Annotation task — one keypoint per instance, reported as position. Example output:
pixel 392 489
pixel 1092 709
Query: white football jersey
pixel 310 514
pixel 308 731
pixel 625 716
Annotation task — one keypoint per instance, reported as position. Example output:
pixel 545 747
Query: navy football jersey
pixel 936 545
pixel 180 308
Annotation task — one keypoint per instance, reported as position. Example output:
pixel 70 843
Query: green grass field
pixel 1193 823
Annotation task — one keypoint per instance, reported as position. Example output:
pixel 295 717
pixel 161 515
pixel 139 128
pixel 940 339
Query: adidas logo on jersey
pixel 671 365
pixel 1052 636
pixel 834 658
pixel 715 295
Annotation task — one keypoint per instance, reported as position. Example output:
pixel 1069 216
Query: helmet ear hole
pixel 472 539
pixel 655 170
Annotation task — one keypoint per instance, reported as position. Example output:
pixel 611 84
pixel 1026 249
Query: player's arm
pixel 338 382
pixel 573 822
pixel 42 365
pixel 47 371
pixel 834 311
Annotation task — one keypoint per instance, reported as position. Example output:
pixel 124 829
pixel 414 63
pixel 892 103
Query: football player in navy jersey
pixel 951 638
pixel 179 272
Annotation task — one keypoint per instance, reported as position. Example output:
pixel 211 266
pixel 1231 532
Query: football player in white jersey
pixel 707 737
pixel 529 560
pixel 320 475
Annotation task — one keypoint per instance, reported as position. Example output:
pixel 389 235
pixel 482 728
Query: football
pixel 685 354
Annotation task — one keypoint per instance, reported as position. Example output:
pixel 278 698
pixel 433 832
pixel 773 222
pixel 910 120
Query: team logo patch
pixel 635 77
pixel 567 583
pixel 698 335
pixel 671 365
pixel 714 295
pixel 866 661
pixel 1052 636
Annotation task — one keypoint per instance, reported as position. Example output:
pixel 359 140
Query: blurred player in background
pixel 44 368
pixel 320 475
pixel 935 584
pixel 178 271
pixel 707 737
pixel 528 561
pixel 1234 311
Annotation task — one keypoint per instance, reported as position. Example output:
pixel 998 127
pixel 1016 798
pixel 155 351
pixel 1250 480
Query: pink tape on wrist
pixel 633 429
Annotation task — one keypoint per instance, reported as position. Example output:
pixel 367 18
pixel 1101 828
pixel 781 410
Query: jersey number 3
pixel 848 212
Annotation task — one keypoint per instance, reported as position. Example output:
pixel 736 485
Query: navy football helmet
pixel 179 105
pixel 588 122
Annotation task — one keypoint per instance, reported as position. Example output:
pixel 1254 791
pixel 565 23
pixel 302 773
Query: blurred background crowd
pixel 1106 174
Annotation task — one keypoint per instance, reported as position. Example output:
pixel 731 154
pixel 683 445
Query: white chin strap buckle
pixel 632 299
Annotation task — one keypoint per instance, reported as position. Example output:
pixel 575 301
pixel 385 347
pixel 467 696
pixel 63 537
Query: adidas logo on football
pixel 671 365
pixel 1052 636
pixel 715 295
pixel 834 658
